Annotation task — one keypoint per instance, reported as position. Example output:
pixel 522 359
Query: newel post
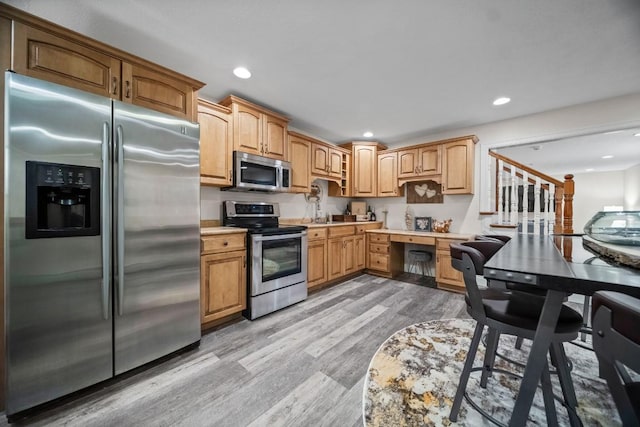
pixel 569 189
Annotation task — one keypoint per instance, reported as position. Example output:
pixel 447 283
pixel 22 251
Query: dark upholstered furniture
pixel 616 341
pixel 511 312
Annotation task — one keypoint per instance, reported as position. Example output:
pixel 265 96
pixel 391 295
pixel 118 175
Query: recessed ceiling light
pixel 501 101
pixel 637 134
pixel 242 72
pixel 589 170
pixel 608 156
pixel 367 134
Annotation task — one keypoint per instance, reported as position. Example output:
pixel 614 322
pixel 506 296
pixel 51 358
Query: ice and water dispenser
pixel 62 200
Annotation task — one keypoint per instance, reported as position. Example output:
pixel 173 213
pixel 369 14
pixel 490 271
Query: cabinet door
pixel 349 255
pixel 247 129
pixel 364 170
pixel 387 175
pixel 335 163
pixel 458 160
pixel 360 252
pixel 445 273
pixel 430 160
pixel 151 89
pixel 319 159
pixel 317 264
pixel 335 255
pixel 222 285
pixel 407 163
pixel 275 137
pixel 215 145
pixel 300 158
pixel 45 56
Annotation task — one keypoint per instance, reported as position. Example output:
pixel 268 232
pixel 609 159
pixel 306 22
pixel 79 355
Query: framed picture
pixel 423 223
pixel 424 192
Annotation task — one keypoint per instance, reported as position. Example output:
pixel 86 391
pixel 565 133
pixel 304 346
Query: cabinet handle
pixel 266 148
pixel 225 243
pixel 230 175
pixel 127 89
pixel 114 86
pixel 244 262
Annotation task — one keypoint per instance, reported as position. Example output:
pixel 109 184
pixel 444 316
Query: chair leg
pixel 547 394
pixel 489 356
pixel 566 383
pixel 585 316
pixel 466 371
pixel 519 341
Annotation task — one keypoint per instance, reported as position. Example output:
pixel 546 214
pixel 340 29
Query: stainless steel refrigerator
pixel 102 249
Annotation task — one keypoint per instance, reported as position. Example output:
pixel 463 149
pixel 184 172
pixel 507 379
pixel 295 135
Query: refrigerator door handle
pixel 120 220
pixel 106 220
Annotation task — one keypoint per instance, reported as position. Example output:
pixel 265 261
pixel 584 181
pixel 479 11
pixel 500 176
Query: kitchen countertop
pixel 212 231
pixel 328 224
pixel 424 234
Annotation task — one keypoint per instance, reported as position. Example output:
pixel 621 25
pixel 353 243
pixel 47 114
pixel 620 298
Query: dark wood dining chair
pixel 616 341
pixel 509 312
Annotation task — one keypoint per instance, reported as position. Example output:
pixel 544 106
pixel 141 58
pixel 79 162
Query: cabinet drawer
pixel 443 244
pixel 378 238
pixel 419 240
pixel 379 262
pixel 316 233
pixel 223 243
pixel 346 230
pixel 360 229
pixel 378 249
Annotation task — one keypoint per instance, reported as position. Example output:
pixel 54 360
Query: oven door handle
pixel 261 238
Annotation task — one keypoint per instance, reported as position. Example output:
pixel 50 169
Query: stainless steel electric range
pixel 277 267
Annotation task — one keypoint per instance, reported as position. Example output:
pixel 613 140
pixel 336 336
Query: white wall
pixel 632 188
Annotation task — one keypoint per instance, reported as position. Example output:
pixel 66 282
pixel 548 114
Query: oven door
pixel 277 261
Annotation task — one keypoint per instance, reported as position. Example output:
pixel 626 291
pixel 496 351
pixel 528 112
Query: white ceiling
pixel 401 69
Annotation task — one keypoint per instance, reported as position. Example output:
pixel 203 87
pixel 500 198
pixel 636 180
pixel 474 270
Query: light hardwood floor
pixel 301 366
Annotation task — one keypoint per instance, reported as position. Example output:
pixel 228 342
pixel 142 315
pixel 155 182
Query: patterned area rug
pixel 413 376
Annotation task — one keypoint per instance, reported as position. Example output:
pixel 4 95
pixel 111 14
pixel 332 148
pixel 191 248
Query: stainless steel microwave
pixel 258 173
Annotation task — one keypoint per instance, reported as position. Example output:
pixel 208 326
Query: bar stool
pixel 422 258
pixel 515 313
pixel 616 341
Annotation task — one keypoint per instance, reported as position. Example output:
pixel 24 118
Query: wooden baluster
pixel 525 202
pixel 513 198
pixel 536 206
pixel 569 189
pixel 499 191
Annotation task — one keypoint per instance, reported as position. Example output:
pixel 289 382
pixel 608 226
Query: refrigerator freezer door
pixel 157 223
pixel 58 315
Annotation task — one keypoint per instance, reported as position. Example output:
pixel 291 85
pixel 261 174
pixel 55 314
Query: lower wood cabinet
pixel 360 252
pixel 447 277
pixel 317 265
pixel 223 274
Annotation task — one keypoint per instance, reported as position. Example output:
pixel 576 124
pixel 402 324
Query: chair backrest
pixel 616 341
pixel 470 262
pixel 488 248
pixel 502 238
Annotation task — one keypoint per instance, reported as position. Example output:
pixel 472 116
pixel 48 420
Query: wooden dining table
pixel 562 266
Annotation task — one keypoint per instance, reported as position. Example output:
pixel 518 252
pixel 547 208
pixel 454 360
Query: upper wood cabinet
pixel 50 52
pixel 257 130
pixel 364 174
pixel 216 144
pixel 326 161
pixel 421 161
pixel 300 158
pixel 388 175
pixel 458 159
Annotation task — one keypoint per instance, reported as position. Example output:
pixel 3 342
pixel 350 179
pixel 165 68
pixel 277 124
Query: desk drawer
pixel 223 243
pixel 508 276
pixel 378 238
pixel 443 244
pixel 316 233
pixel 378 249
pixel 379 262
pixel 418 240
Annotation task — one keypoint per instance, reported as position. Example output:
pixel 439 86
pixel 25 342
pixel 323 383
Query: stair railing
pixel 552 199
